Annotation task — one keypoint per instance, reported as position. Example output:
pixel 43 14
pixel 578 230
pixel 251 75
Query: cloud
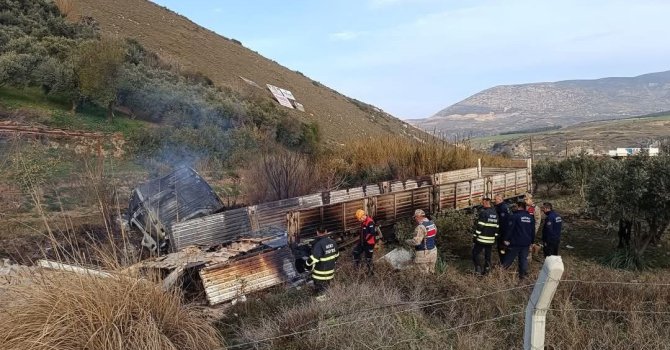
pixel 344 36
pixel 218 9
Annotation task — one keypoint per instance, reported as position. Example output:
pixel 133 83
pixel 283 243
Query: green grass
pixel 30 98
pixel 55 112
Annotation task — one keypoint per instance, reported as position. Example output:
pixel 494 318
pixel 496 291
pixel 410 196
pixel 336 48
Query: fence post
pixel 536 310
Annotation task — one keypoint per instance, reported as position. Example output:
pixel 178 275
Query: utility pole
pixel 532 160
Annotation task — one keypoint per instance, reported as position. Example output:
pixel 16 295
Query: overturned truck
pixel 242 250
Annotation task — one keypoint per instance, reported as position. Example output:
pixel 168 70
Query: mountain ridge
pixel 507 108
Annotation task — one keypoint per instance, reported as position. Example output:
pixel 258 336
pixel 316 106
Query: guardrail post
pixel 540 299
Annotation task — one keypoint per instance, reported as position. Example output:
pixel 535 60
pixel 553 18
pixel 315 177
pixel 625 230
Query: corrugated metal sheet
pixel 311 201
pixel 158 204
pixel 402 198
pixel 224 282
pixel 397 186
pixel 273 214
pixel 211 230
pixel 372 190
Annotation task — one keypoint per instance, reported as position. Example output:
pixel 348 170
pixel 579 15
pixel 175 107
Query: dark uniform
pixel 366 243
pixel 503 212
pixel 486 231
pixel 520 235
pixel 322 261
pixel 551 233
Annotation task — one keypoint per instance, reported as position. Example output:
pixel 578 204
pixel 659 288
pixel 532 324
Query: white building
pixel 625 152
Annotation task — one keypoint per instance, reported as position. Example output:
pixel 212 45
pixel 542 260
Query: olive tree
pixel 636 189
pixel 98 67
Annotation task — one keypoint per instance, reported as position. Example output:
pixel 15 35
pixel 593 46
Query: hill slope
pixel 528 106
pixel 178 40
pixel 593 137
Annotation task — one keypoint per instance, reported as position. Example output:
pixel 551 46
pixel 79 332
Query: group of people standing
pixel 511 230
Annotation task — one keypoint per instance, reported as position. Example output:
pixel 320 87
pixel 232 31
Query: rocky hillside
pixel 230 65
pixel 540 105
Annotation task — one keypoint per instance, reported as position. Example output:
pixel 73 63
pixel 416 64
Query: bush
pixel 69 312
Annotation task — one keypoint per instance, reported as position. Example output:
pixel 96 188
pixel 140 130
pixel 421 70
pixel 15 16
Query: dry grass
pixel 181 42
pixel 364 313
pixel 401 158
pixel 68 9
pixel 67 311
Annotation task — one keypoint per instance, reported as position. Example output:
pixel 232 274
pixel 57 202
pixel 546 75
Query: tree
pixel 97 68
pixel 57 77
pixel 638 190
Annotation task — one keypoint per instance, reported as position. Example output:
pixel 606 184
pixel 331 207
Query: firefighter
pixel 503 212
pixel 519 236
pixel 551 230
pixel 322 261
pixel 423 242
pixel 484 237
pixel 366 242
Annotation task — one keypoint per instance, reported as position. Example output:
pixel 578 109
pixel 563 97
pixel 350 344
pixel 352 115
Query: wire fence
pixel 419 305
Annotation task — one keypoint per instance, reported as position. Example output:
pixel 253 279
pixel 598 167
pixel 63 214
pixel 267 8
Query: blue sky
pixel 414 57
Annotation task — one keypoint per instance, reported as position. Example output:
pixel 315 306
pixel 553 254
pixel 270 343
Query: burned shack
pixel 160 203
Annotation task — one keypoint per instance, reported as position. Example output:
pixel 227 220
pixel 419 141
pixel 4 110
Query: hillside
pixel 180 41
pixel 591 137
pixel 528 106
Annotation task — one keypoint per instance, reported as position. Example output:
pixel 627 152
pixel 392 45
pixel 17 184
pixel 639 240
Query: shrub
pixel 69 312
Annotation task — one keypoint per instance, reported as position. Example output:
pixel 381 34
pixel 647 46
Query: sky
pixel 413 58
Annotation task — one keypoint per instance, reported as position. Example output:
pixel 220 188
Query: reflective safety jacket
pixel 486 228
pixel 520 229
pixel 368 232
pixel 551 231
pixel 428 241
pixel 322 260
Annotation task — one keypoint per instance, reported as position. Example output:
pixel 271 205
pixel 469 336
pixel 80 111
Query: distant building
pixel 625 152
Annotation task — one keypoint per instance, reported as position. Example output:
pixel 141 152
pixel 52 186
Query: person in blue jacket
pixel 551 230
pixel 518 238
pixel 503 212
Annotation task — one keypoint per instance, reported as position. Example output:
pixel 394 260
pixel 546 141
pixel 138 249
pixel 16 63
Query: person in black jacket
pixel 322 261
pixel 551 230
pixel 503 212
pixel 486 231
pixel 518 238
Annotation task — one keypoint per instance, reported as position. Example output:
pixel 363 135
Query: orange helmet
pixel 359 214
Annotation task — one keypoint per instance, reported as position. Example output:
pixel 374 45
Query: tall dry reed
pixel 66 311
